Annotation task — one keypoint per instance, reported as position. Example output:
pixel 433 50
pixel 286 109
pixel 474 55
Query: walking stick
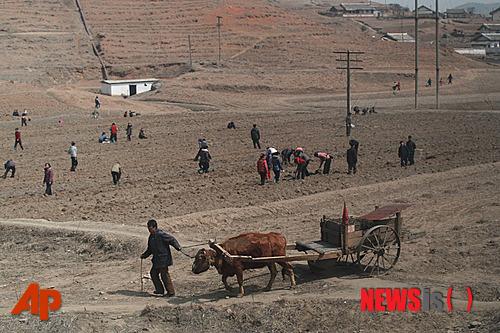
pixel 142 280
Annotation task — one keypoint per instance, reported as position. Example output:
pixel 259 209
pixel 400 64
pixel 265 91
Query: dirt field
pixel 279 73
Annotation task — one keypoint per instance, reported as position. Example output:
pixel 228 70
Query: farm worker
pixel 411 146
pixel 142 134
pixel 204 158
pixel 398 85
pixel 269 159
pixel 286 155
pixel 48 178
pixel 103 138
pixel 299 152
pixel 97 102
pixel 114 133
pixel 116 172
pixel 276 165
pixel 348 124
pixel 24 120
pixel 17 135
pixel 301 162
pixel 354 143
pixel 129 132
pixel 352 157
pixel 10 165
pixel 262 168
pixel 403 153
pixel 450 79
pixel 255 135
pixel 324 158
pixel 72 151
pixel 429 83
pixel 159 243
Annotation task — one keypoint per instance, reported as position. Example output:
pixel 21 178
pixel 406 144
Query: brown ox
pixel 251 244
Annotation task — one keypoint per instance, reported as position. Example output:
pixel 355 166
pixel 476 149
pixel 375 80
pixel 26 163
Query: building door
pixel 133 89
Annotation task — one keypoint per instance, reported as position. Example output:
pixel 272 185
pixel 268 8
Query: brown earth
pixel 278 72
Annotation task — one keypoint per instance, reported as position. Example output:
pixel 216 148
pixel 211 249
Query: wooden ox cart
pixel 371 241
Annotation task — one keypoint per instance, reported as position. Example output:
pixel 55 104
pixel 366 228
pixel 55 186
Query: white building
pixel 355 10
pixel 401 37
pixel 126 87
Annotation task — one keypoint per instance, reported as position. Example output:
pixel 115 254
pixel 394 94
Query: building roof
pixel 494 11
pixel 425 8
pixel 400 37
pixel 456 11
pixel 493 36
pixel 490 26
pixel 357 6
pixel 129 81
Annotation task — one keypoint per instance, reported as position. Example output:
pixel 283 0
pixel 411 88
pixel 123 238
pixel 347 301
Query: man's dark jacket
pixel 403 152
pixel 411 146
pixel 255 134
pixel 352 156
pixel 159 246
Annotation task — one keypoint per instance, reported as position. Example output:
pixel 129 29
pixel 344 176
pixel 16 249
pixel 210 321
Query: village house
pixel 486 40
pixel 355 10
pixel 401 37
pixel 426 12
pixel 457 13
pixel 126 87
pixel 490 27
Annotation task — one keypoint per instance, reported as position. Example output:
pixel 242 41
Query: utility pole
pixel 218 32
pixel 437 55
pixel 348 67
pixel 416 54
pixel 190 59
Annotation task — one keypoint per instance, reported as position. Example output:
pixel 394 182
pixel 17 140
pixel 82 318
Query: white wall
pixel 119 90
pixel 124 89
pixel 144 86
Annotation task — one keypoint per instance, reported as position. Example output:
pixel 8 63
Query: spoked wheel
pixel 347 259
pixel 378 250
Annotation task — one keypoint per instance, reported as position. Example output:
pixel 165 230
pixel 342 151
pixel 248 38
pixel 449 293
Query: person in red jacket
pixel 300 173
pixel 114 133
pixel 18 139
pixel 48 178
pixel 262 168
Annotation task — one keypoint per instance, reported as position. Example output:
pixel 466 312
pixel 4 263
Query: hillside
pixel 480 8
pixel 44 42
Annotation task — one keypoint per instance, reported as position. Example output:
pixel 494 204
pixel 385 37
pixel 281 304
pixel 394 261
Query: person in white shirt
pixel 72 151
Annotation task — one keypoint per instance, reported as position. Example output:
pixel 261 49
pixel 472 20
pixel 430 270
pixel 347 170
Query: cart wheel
pixel 347 259
pixel 378 250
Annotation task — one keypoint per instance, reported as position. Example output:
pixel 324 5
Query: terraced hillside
pixel 258 34
pixel 43 41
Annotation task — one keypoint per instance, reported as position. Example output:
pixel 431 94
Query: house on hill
pixel 355 10
pixel 486 40
pixel 126 87
pixel 426 12
pixel 495 14
pixel 457 13
pixel 490 27
pixel 401 37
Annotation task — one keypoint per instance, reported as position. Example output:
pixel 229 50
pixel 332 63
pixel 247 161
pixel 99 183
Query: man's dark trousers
pixel 167 284
pixel 256 143
pixel 74 163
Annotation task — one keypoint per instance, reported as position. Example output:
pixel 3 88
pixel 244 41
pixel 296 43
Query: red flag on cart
pixel 345 215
